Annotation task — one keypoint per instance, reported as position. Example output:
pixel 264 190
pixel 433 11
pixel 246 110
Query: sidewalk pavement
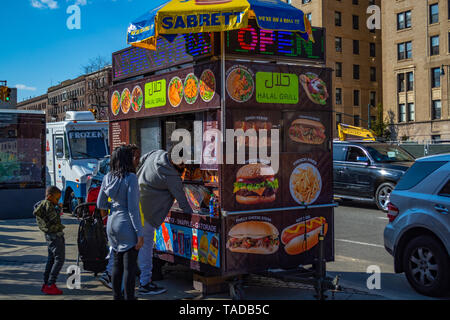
pixel 23 255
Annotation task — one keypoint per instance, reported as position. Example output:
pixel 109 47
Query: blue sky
pixel 40 51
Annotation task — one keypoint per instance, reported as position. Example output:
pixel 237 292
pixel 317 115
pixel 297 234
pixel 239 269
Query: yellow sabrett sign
pixel 184 16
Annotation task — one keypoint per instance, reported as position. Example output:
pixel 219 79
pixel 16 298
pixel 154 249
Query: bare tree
pixel 95 64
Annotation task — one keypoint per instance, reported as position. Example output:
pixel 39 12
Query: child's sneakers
pixel 43 287
pixel 51 290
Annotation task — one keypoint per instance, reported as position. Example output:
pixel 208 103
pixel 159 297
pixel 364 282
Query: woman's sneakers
pixel 51 290
pixel 151 289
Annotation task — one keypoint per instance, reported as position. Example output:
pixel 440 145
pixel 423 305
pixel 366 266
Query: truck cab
pixel 73 149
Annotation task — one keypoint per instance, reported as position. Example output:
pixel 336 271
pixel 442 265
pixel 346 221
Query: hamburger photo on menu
pixel 255 184
pixel 256 237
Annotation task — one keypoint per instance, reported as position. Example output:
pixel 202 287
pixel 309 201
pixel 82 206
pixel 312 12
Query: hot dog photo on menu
pixel 303 236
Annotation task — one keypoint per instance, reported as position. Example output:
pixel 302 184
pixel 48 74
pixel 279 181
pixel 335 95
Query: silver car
pixel 418 233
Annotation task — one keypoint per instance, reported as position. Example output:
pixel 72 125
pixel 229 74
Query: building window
pixel 435 137
pixel 356 71
pixel 401 82
pixel 355 46
pixel 372 49
pixel 305 1
pixel 338 44
pixel 409 81
pixel 434 45
pixel 356 121
pixel 338 96
pixel 355 22
pixel 411 112
pixel 404 20
pixel 373 98
pixel 434 13
pixel 338 119
pixel 339 69
pixel 401 112
pixel 435 109
pixel 355 2
pixel 373 74
pixel 337 19
pixel 404 50
pixel 356 98
pixel 309 17
pixel 435 77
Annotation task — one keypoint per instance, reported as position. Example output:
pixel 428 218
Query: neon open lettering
pixel 266 38
pixel 254 38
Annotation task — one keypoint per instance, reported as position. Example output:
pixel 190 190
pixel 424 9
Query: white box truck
pixel 73 149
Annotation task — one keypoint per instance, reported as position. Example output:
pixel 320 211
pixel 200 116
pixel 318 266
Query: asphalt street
pixel 359 244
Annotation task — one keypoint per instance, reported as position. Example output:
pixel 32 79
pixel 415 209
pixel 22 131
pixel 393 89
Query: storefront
pixel 22 162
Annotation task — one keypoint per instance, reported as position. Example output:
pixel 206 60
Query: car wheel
pixel 426 266
pixel 383 194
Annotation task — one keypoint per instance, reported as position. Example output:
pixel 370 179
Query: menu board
pixel 277 86
pixel 190 89
pixel 284 239
pixel 119 133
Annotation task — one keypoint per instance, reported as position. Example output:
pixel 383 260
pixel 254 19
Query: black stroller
pixel 92 240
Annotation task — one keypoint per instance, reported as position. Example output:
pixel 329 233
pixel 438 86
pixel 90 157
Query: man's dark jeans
pixel 56 256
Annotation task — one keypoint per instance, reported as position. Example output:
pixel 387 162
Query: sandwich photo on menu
pixel 255 184
pixel 256 237
pixel 307 131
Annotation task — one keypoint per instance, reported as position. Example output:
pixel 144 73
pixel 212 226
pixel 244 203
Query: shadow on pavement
pixel 393 286
pixel 357 204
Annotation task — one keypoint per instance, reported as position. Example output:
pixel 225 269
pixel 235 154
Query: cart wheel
pixel 236 291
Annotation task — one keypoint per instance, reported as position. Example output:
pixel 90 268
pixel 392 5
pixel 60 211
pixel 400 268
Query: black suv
pixel 368 170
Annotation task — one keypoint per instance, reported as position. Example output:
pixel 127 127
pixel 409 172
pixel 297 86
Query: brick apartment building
pixel 353 52
pixel 87 92
pixel 416 71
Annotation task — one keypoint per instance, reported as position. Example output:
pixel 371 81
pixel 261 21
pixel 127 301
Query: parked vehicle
pixel 418 233
pixel 368 171
pixel 74 147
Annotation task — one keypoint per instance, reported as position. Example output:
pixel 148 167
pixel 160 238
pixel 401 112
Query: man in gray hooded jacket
pixel 159 185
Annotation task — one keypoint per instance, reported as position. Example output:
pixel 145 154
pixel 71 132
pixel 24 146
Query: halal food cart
pixel 255 105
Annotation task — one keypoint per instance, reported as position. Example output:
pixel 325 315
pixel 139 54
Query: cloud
pixel 78 2
pixel 43 4
pixel 25 88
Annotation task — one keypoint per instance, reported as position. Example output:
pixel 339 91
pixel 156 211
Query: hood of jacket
pixel 112 185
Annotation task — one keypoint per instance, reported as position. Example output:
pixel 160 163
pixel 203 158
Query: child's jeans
pixel 56 257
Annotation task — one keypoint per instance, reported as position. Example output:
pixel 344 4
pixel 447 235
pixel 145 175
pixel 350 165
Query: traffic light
pixel 5 94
